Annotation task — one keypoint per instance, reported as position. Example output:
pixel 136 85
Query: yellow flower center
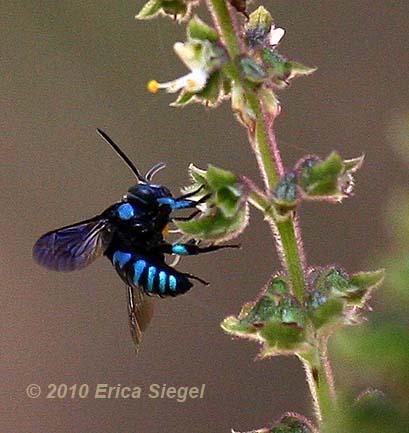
pixel 153 86
pixel 190 84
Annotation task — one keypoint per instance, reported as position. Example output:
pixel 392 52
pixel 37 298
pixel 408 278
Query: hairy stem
pixel 292 254
pixel 266 150
pixel 320 380
pixel 286 230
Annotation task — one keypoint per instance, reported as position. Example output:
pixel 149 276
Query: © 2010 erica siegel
pixel 155 391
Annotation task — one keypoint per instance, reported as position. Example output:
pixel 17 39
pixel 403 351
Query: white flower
pixel 276 34
pixel 201 57
pixel 192 82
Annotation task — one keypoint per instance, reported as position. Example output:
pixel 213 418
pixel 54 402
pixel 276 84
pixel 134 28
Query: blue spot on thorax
pixel 121 258
pixel 126 211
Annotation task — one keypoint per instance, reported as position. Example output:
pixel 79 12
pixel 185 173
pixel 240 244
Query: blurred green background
pixel 69 67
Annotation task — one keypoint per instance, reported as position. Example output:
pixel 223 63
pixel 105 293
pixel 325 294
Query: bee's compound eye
pixel 160 191
pixel 147 194
pixel 141 191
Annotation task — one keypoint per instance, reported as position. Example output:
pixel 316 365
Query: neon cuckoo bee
pixel 130 234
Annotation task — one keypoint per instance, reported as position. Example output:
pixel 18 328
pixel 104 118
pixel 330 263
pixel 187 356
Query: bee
pixel 130 233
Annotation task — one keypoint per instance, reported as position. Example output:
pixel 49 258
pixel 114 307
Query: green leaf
pixel 237 327
pixel 295 69
pixel 293 423
pixel 198 174
pixel 353 164
pixel 278 286
pixel 197 29
pixel 257 28
pixel 263 310
pixel 184 98
pixel 226 200
pixel 226 85
pixel 329 313
pixel 174 7
pixel 260 19
pixel 292 313
pixel 279 337
pixel 280 70
pixel 362 283
pixel 219 178
pixel 334 296
pixel 368 280
pixel 329 179
pixel 215 226
pixel 273 60
pixel 149 10
pixel 251 70
pixel 211 92
pixel 333 281
pixel 277 321
pixel 319 178
pixel 227 210
pixel 276 66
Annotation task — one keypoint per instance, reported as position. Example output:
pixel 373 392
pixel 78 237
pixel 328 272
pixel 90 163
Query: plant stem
pixel 266 150
pixel 223 21
pixel 292 254
pixel 264 143
pixel 285 228
pixel 320 380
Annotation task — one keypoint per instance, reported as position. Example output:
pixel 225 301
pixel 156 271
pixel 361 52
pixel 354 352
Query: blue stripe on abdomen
pixel 153 278
pixel 120 258
pixel 163 277
pixel 172 283
pixel 139 267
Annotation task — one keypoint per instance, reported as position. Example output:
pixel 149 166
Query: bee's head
pixel 146 194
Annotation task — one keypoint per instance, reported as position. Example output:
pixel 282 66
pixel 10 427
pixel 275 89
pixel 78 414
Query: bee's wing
pixel 73 247
pixel 140 312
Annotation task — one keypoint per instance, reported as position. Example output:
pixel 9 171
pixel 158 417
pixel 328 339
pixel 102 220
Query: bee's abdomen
pixel 154 277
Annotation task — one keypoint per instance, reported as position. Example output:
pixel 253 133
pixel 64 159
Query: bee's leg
pixel 193 277
pixel 181 202
pixel 175 203
pixel 190 194
pixel 191 249
pixel 188 218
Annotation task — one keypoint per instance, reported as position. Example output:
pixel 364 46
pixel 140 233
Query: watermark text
pixel 105 391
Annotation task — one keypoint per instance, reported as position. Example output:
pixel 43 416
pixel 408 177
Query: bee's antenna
pixel 157 167
pixel 118 150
